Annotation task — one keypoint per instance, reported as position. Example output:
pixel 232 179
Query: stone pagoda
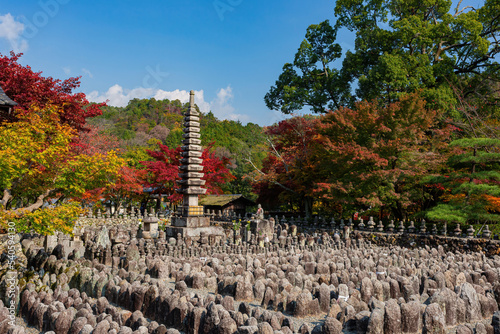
pixel 190 219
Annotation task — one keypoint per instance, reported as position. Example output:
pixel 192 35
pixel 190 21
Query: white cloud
pixel 87 72
pixel 67 70
pixel 221 106
pixel 183 96
pixel 11 30
pixel 118 98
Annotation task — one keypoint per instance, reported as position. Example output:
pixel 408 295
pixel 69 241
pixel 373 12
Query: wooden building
pixel 226 203
pixel 6 105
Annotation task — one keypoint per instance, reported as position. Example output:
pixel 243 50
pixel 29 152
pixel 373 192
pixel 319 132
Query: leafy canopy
pixel 401 46
pixel 473 186
pixel 29 89
pixel 38 166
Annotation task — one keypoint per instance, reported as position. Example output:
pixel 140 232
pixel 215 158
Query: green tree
pixel 311 80
pixel 473 188
pixel 401 46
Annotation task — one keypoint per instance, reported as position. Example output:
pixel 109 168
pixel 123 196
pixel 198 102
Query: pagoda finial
pixel 191 98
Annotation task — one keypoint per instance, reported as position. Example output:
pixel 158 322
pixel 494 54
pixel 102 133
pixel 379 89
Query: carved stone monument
pixel 150 229
pixel 190 219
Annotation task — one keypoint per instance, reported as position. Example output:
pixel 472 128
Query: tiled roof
pixel 5 100
pixel 221 200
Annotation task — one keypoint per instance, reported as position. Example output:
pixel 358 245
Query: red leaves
pixel 382 149
pixel 127 185
pixel 289 168
pixel 29 88
pixel 163 172
pixel 94 141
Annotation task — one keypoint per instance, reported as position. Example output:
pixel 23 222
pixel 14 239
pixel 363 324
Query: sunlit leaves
pixel 39 167
pixel 473 186
pixel 311 80
pixel 376 154
pixel 45 221
pixel 289 173
pixel 29 88
pixel 164 169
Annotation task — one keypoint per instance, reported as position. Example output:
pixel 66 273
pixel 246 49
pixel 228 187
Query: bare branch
pixel 277 153
pixel 7 196
pixel 38 203
pixel 458 12
pixel 271 180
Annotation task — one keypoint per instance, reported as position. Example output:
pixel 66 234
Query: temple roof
pixel 221 200
pixel 5 100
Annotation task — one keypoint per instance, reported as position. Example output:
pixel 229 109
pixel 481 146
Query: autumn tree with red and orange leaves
pixel 163 171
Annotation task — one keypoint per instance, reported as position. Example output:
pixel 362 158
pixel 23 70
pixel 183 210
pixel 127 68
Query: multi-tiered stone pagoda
pixel 190 219
pixel 191 182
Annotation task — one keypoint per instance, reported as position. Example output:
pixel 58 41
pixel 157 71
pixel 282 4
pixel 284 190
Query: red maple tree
pixel 123 189
pixel 375 156
pixel 29 88
pixel 96 141
pixel 289 173
pixel 164 170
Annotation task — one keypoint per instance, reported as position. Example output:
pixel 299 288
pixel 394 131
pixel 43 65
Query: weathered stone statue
pixel 260 212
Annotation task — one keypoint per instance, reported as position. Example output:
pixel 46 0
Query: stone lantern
pixel 150 229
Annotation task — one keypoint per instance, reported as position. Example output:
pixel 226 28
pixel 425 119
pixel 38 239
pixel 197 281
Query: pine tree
pixel 473 188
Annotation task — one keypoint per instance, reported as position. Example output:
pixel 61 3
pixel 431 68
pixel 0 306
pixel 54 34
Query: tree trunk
pixel 308 203
pixel 38 204
pixel 6 198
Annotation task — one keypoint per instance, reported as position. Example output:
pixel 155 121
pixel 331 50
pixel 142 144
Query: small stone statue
pixel 444 230
pixel 411 228
pixel 401 227
pixel 371 224
pixel 434 229
pixel 347 232
pixel 470 232
pixel 391 226
pixel 380 226
pixel 486 232
pixel 260 212
pixel 361 225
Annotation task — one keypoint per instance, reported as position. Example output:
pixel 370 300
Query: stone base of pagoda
pixel 193 232
pixel 191 221
pixel 191 211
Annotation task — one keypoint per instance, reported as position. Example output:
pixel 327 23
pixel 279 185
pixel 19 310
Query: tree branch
pixel 272 180
pixel 7 196
pixel 38 203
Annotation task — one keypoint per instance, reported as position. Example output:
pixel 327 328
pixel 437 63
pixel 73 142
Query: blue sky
pixel 229 51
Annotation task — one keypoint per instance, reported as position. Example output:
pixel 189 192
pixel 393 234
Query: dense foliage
pixel 410 115
pixel 30 88
pixel 164 169
pixel 39 170
pixel 473 186
pixel 408 126
pixel 400 47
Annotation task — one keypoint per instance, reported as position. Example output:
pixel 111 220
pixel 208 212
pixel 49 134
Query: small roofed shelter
pixel 6 104
pixel 226 203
